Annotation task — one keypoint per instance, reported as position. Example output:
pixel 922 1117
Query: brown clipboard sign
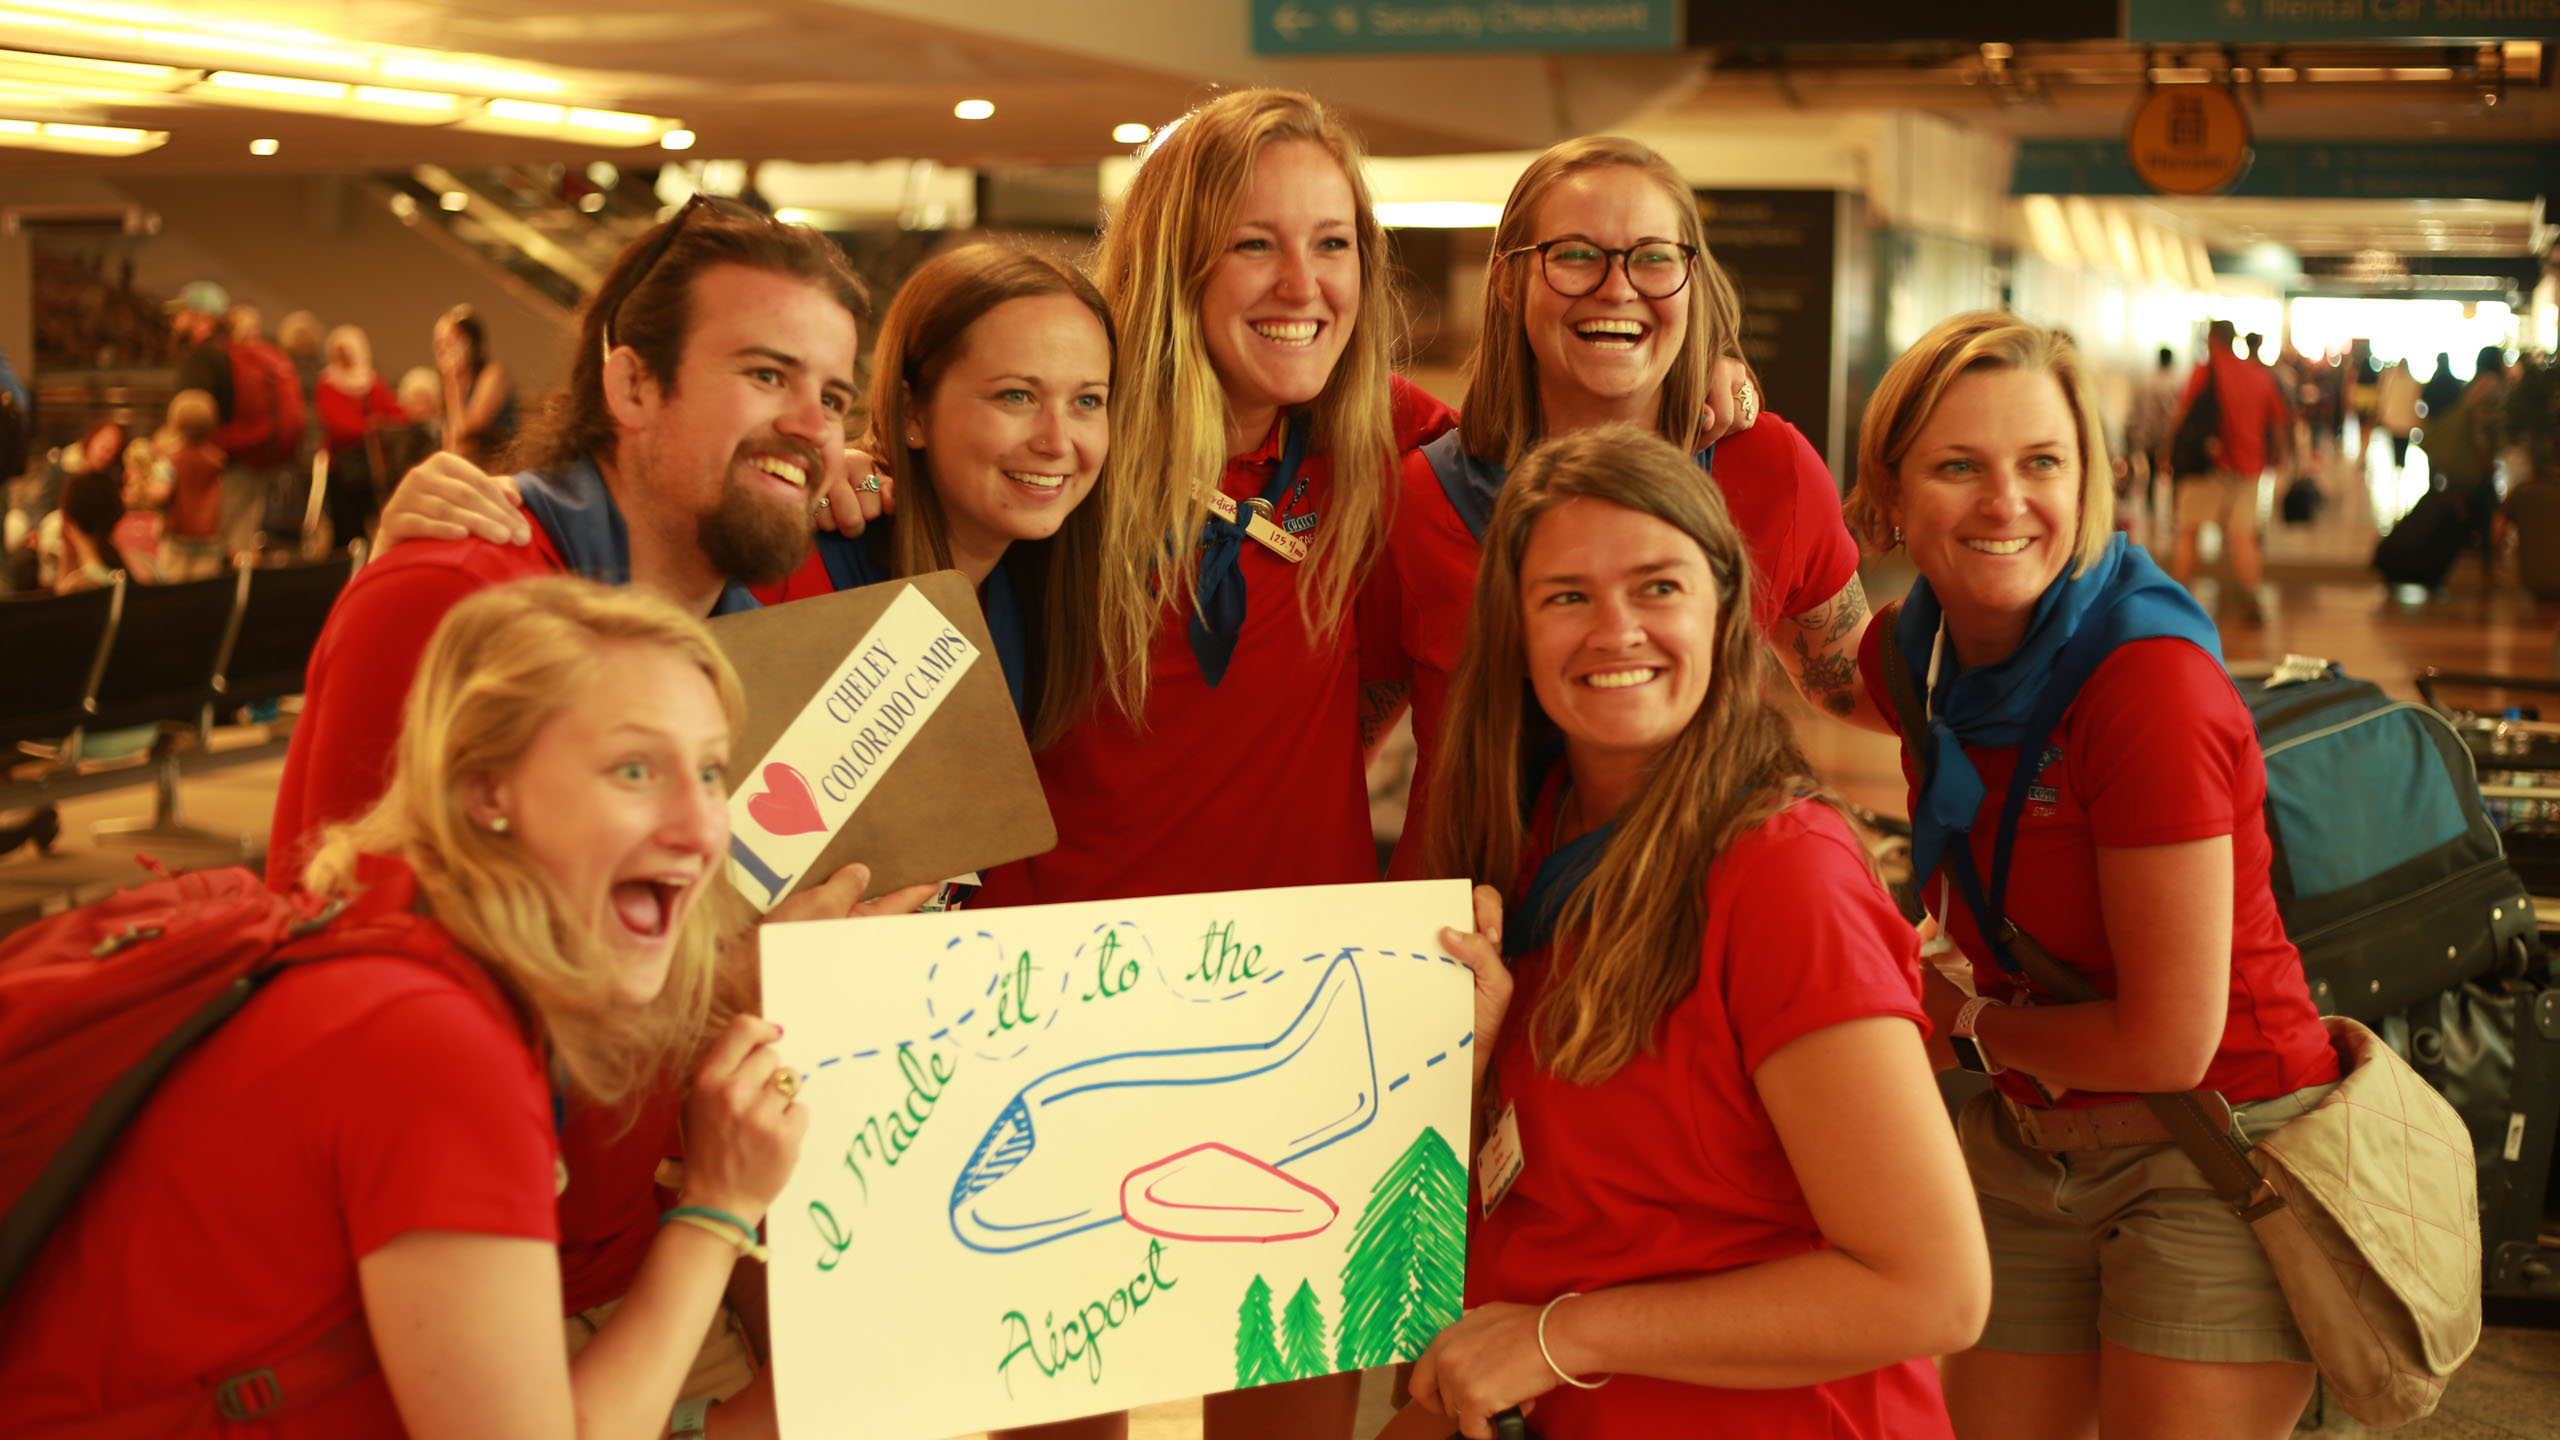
pixel 879 728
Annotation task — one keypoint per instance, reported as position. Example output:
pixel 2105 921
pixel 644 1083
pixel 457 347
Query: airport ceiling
pixel 818 80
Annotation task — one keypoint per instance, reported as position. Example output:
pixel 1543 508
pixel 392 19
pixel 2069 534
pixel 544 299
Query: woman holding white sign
pixel 373 1252
pixel 1719 1193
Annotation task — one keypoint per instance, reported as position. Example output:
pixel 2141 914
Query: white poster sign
pixel 1073 1158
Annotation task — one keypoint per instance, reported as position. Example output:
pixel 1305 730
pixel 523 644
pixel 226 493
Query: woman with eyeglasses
pixel 1603 306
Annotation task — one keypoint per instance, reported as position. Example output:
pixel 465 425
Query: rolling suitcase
pixel 2421 548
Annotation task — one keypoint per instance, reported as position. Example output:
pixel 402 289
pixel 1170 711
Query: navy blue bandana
pixel 575 508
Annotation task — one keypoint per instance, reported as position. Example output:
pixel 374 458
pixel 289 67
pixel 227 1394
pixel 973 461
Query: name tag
pixel 1258 525
pixel 1498 1164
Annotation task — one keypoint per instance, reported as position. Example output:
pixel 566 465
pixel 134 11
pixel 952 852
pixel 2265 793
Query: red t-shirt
pixel 1254 782
pixel 2156 749
pixel 353 1101
pixel 195 492
pixel 344 418
pixel 2251 407
pixel 1671 1167
pixel 1775 486
pixel 340 763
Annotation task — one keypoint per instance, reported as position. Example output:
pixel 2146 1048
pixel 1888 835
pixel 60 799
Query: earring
pixel 1897 534
pixel 498 826
pixel 914 441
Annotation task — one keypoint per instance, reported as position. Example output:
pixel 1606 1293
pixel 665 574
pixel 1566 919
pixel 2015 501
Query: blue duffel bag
pixel 2387 872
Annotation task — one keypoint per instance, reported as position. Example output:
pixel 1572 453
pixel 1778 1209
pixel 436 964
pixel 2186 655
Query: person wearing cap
pixel 196 318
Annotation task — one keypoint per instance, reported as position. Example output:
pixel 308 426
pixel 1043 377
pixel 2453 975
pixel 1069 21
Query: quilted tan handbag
pixel 2368 1207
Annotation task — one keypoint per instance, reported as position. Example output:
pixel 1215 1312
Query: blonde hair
pixel 1168 408
pixel 503 663
pixel 1501 417
pixel 1062 580
pixel 1909 394
pixel 1626 941
pixel 193 416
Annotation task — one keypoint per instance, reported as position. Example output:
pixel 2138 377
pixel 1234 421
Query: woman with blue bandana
pixel 2131 846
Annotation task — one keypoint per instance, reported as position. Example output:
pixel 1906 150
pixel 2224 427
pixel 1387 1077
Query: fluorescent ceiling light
pixel 1438 215
pixel 35 66
pixel 974 109
pixel 676 140
pixel 79 139
pixel 277 85
pixel 525 112
pixel 263 147
pixel 463 75
pixel 1132 133
pixel 290 52
pixel 420 100
pixel 617 122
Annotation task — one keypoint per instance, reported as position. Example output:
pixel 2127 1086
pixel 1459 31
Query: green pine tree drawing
pixel 1407 1269
pixel 1257 1345
pixel 1302 1334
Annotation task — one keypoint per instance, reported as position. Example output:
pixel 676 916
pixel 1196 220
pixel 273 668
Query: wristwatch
pixel 1960 1038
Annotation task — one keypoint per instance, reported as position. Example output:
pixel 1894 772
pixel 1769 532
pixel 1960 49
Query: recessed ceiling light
pixel 1132 133
pixel 676 140
pixel 262 147
pixel 453 200
pixel 591 202
pixel 974 109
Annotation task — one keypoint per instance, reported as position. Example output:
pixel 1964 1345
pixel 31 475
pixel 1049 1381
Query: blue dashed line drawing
pixel 1466 1040
pixel 823 1064
pixel 1436 1059
pixel 1089 1124
pixel 1398 1082
pixel 863 1054
pixel 942 1034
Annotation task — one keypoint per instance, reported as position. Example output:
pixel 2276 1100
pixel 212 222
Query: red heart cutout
pixel 786 807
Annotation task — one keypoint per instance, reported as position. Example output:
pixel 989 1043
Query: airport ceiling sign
pixel 2302 21
pixel 1464 27
pixel 2311 170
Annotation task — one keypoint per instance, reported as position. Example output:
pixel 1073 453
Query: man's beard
pixel 752 541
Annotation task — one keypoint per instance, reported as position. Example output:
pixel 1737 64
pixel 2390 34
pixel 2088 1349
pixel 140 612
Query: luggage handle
pixel 2429 677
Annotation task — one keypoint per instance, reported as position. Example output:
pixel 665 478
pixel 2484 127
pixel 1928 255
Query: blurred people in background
pixel 261 421
pixel 92 507
pixel 2251 435
pixel 479 395
pixel 2440 393
pixel 419 433
pixel 300 338
pixel 37 557
pixel 2146 428
pixel 355 406
pixel 2396 409
pixel 2530 516
pixel 191 534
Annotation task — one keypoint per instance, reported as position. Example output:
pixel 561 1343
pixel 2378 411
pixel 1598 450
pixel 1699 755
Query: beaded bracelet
pixel 710 1221
pixel 1550 1355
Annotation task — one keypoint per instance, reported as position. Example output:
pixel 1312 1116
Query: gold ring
pixel 785 1081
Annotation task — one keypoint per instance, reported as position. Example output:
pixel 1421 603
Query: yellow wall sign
pixel 2188 140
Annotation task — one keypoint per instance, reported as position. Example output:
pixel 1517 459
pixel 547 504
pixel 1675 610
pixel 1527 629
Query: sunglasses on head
pixel 665 240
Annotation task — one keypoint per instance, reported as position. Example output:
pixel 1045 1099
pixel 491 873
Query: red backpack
pixel 98 1004
pixel 267 414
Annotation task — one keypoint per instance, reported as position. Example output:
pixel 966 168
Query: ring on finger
pixel 870 484
pixel 825 504
pixel 785 1081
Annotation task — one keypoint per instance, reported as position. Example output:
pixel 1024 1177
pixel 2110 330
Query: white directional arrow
pixel 1291 22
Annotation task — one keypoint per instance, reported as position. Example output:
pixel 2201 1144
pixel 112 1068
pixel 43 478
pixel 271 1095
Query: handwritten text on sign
pixel 857 725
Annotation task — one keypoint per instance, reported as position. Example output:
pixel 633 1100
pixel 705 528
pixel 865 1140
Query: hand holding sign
pixel 880 728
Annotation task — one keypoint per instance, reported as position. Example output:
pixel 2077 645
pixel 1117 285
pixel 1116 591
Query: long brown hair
pixel 1168 408
pixel 1062 580
pixel 646 303
pixel 1501 417
pixel 1626 946
pixel 1909 394
pixel 500 666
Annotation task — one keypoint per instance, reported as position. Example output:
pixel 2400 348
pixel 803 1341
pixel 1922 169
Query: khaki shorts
pixel 725 1365
pixel 2217 497
pixel 2126 1243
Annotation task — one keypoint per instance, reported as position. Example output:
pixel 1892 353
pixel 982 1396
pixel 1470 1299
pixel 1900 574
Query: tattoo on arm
pixel 1380 706
pixel 1824 644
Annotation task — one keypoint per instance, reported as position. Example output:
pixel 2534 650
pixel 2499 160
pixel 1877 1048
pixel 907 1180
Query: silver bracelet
pixel 1550 1355
pixel 691 1420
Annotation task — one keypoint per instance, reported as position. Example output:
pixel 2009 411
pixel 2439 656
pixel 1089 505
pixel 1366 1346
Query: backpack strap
pixel 340 1356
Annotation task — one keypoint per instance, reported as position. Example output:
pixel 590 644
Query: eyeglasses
pixel 1574 267
pixel 664 240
